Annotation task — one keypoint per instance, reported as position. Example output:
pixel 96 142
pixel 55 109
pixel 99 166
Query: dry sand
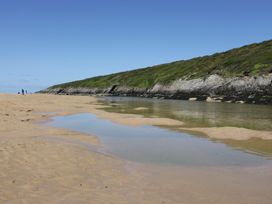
pixel 40 164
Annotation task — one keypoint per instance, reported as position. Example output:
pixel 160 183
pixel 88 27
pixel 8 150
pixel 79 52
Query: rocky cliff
pixel 247 89
pixel 238 75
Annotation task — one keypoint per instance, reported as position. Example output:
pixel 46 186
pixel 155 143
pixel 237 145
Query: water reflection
pixel 149 144
pixel 196 114
pixel 201 114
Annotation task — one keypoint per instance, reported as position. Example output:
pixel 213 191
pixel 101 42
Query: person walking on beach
pixel 23 92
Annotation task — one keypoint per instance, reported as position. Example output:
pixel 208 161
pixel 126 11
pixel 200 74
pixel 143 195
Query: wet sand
pixel 233 133
pixel 41 164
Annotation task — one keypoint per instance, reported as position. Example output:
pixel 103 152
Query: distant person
pixel 23 92
pixel 19 92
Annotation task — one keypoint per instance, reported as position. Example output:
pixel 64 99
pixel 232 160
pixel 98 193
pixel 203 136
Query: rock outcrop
pixel 257 89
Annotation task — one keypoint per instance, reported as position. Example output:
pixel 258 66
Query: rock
pixel 210 99
pixel 193 99
pixel 242 102
pixel 213 88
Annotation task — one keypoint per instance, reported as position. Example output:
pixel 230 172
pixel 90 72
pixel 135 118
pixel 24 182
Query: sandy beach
pixel 233 133
pixel 41 164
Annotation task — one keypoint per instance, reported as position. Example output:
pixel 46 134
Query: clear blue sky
pixel 45 42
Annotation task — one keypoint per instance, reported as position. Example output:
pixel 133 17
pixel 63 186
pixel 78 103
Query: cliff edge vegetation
pixel 252 60
pixel 240 74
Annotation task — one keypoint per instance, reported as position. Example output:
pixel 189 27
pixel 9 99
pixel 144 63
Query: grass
pixel 252 60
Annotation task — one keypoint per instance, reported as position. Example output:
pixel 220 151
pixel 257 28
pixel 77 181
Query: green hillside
pixel 249 60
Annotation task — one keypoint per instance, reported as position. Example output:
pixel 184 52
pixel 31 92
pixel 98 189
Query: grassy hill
pixel 253 59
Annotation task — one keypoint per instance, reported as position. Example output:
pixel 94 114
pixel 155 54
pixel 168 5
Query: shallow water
pixel 149 144
pixel 194 113
pixel 202 114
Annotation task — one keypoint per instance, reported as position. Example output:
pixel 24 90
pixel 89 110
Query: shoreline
pixel 210 88
pixel 36 166
pixel 233 133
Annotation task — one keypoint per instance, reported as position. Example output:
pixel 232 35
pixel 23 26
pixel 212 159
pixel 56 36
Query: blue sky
pixel 45 42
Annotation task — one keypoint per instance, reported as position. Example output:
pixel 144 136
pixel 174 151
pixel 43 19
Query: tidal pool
pixel 195 113
pixel 202 114
pixel 156 145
